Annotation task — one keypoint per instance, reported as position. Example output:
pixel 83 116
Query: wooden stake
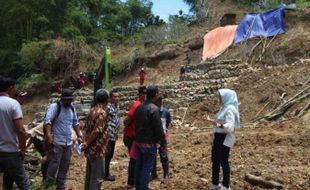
pixel 255 180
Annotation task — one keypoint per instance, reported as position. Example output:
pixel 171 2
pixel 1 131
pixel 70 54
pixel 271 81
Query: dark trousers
pixel 40 146
pixel 12 165
pixel 94 173
pixel 131 172
pixel 144 166
pixel 220 155
pixel 8 182
pixel 132 162
pixel 109 156
pixel 163 154
pixel 58 163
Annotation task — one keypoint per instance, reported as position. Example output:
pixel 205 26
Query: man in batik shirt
pixel 96 141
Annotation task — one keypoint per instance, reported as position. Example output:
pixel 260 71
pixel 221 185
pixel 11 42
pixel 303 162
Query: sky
pixel 164 8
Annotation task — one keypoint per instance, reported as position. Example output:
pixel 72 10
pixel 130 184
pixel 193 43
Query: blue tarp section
pixel 269 23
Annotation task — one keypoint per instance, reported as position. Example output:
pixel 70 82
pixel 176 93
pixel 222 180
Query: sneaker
pixel 153 177
pixel 215 187
pixel 110 178
pixel 225 188
pixel 166 176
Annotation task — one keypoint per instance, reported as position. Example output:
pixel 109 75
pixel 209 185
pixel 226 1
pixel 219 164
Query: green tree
pixel 198 7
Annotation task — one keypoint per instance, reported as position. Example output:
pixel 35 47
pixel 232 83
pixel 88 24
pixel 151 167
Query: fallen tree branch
pixel 262 109
pixel 255 180
pixel 285 106
pixel 266 46
pixel 281 110
pixel 306 82
pixel 184 115
pixel 253 48
pixel 304 109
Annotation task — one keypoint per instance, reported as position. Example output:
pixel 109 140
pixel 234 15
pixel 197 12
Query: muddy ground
pixel 274 150
pixel 278 152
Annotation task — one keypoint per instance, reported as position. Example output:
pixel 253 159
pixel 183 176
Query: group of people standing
pixel 145 134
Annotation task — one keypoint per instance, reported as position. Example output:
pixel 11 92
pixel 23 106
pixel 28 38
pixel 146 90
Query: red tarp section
pixel 217 41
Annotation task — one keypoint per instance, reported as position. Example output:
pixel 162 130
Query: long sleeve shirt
pixel 149 129
pixel 228 128
pixel 62 127
pixel 113 120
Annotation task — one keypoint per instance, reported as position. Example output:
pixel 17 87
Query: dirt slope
pixel 277 150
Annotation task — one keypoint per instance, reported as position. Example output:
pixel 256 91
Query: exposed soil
pixel 276 150
pixel 279 153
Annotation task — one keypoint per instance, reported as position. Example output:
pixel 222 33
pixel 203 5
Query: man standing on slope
pixel 12 136
pixel 163 153
pixel 149 132
pixel 114 119
pixel 96 141
pixel 59 120
pixel 142 76
pixel 129 132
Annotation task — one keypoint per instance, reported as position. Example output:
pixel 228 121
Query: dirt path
pixel 280 153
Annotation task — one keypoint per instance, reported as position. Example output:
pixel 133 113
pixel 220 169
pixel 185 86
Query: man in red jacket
pixel 142 76
pixel 129 132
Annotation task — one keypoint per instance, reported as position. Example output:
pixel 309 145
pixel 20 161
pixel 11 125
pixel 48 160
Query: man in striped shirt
pixel 113 128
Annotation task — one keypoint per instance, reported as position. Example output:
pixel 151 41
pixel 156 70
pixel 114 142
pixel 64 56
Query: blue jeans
pixel 163 154
pixel 144 165
pixel 12 165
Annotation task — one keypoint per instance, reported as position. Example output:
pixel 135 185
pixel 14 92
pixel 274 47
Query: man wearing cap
pixel 142 76
pixel 149 133
pixel 129 132
pixel 58 122
pixel 82 80
pixel 96 141
pixel 19 96
pixel 12 136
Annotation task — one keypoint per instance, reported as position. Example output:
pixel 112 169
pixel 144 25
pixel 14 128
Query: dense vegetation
pixel 26 28
pixel 57 37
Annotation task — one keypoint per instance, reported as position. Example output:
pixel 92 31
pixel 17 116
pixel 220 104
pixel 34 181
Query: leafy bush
pixel 72 32
pixel 58 58
pixel 40 55
pixel 303 3
pixel 168 33
pixel 26 82
pixel 261 5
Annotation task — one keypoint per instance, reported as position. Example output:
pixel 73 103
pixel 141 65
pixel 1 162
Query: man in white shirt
pixel 12 136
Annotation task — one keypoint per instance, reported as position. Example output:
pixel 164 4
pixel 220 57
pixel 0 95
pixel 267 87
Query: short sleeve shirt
pixel 130 130
pixel 9 111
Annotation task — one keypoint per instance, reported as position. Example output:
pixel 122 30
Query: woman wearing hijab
pixel 224 125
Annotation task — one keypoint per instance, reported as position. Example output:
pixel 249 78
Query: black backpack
pixel 58 110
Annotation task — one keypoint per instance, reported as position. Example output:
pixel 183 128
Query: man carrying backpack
pixel 58 122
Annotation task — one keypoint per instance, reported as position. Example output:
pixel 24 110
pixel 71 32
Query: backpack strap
pixel 58 110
